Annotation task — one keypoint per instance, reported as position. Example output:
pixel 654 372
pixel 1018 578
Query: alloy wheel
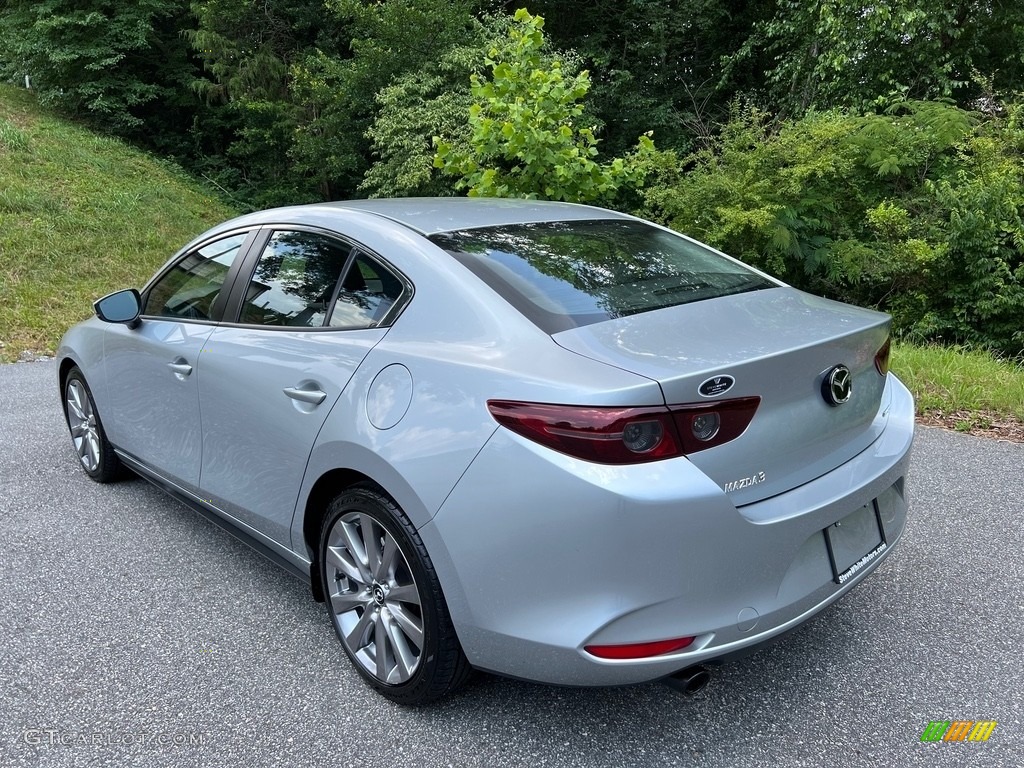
pixel 374 598
pixel 84 428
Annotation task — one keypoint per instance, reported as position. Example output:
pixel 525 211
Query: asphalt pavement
pixel 135 633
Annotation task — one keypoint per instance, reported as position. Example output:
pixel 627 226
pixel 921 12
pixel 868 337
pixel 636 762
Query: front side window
pixel 568 274
pixel 295 280
pixel 188 290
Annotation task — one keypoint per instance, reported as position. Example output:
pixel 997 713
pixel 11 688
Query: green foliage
pixel 12 138
pixel 861 151
pixel 421 104
pixel 413 109
pixel 435 101
pixel 961 380
pixel 916 210
pixel 655 66
pixel 841 53
pixel 339 95
pixel 525 138
pixel 106 61
pixel 759 195
pixel 977 208
pixel 250 126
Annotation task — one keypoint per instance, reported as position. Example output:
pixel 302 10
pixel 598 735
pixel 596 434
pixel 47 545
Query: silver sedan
pixel 543 440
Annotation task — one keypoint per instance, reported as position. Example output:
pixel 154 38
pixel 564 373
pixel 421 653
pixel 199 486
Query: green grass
pixel 80 216
pixel 955 379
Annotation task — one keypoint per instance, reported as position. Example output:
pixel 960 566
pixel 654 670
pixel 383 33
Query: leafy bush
pixel 915 210
pixel 419 105
pixel 526 137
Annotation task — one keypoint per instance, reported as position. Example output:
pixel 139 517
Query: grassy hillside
pixel 80 216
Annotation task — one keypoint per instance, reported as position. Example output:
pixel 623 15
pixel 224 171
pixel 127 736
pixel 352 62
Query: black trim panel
pixel 214 517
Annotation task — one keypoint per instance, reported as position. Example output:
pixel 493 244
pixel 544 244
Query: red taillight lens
pixel 618 435
pixel 705 425
pixel 601 434
pixel 638 650
pixel 882 357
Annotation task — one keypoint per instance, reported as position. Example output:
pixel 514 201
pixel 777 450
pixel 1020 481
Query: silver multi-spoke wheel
pixel 385 599
pixel 83 424
pixel 374 598
pixel 95 452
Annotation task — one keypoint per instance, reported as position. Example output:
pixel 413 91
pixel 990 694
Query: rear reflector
pixel 638 650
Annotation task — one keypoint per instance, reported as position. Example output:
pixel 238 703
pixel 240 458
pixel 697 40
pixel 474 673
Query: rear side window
pixel 309 280
pixel 188 290
pixel 568 274
pixel 294 281
pixel 368 293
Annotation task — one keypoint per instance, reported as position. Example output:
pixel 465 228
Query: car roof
pixel 432 215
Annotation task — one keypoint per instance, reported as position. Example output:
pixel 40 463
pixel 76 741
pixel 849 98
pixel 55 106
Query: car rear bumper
pixel 541 555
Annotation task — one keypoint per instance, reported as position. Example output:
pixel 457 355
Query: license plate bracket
pixel 854 541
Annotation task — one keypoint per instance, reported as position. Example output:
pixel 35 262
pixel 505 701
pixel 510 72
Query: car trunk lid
pixel 778 344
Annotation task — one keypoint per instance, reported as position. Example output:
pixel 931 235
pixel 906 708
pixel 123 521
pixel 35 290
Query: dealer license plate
pixel 854 541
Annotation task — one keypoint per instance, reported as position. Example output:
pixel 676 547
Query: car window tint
pixel 367 293
pixel 294 282
pixel 568 274
pixel 189 288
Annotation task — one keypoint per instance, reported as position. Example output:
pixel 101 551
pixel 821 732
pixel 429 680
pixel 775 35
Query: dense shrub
pixel 528 131
pixel 915 210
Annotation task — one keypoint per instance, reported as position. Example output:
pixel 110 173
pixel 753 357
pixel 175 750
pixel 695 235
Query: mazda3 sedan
pixel 547 441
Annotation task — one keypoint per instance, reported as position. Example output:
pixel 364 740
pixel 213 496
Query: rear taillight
pixel 626 435
pixel 601 434
pixel 705 425
pixel 882 357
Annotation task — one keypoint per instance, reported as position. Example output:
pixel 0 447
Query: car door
pixel 269 379
pixel 151 368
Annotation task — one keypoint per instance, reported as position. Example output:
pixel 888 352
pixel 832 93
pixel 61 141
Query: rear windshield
pixel 567 274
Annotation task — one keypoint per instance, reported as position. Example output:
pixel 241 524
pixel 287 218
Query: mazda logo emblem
pixel 837 386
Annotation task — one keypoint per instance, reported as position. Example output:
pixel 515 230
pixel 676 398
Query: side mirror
pixel 120 307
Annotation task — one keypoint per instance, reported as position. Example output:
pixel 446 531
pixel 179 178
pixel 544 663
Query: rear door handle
pixel 180 367
pixel 312 396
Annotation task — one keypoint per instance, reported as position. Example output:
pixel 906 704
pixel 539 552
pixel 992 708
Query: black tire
pixel 95 453
pixel 364 594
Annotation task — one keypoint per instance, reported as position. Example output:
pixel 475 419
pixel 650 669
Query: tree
pixel 656 64
pixel 418 105
pixel 917 210
pixel 526 140
pixel 248 51
pixel 336 92
pixel 844 53
pixel 109 62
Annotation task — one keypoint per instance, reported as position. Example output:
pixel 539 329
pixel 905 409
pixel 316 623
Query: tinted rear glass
pixel 567 274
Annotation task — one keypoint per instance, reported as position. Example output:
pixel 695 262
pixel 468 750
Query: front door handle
pixel 312 396
pixel 180 367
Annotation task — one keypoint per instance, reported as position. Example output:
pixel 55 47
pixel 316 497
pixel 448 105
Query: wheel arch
pixel 324 490
pixel 66 364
